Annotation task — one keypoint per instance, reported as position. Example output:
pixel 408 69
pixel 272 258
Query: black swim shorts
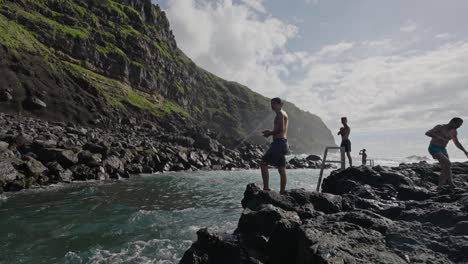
pixel 275 155
pixel 346 144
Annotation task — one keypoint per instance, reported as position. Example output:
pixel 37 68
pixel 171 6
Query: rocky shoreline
pixel 37 152
pixel 363 215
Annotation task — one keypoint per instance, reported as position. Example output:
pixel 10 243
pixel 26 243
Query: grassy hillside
pixel 118 58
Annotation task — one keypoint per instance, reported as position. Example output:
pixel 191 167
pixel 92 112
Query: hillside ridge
pixel 88 60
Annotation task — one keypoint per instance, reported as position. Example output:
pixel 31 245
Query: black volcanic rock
pixel 64 157
pixel 365 215
pixel 44 152
pixel 33 102
pixel 8 173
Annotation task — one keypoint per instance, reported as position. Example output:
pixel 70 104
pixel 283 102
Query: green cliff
pixel 79 60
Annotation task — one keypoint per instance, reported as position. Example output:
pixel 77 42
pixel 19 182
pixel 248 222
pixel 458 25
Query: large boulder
pixel 114 166
pixel 96 148
pixel 82 172
pixel 214 248
pixel 5 95
pixel 64 157
pixel 58 173
pixel 3 146
pixel 90 159
pixel 32 167
pixel 206 143
pixel 33 102
pixel 8 173
pixel 264 220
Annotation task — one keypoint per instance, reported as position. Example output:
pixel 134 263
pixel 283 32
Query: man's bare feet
pixel 283 192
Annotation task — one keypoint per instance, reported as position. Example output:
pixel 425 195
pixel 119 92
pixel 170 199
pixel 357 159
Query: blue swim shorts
pixel 433 149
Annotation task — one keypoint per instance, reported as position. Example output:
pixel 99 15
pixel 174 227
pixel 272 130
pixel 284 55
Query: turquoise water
pixel 147 219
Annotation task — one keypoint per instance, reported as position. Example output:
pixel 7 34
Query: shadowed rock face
pixel 364 215
pixel 79 60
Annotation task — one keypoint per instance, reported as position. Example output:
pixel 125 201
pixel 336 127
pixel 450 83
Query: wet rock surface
pixel 363 215
pixel 37 152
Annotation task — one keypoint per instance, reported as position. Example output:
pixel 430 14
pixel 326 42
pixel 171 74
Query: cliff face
pixel 82 60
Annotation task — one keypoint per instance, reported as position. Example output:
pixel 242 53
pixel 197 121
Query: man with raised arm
pixel 276 154
pixel 364 156
pixel 441 135
pixel 345 142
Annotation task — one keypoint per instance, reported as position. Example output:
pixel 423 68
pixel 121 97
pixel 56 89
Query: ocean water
pixel 146 219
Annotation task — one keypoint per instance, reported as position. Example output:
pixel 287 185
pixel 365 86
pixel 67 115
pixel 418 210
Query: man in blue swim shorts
pixel 441 135
pixel 276 154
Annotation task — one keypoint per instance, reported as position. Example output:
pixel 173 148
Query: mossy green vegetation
pixel 180 88
pixel 111 49
pixel 15 36
pixel 141 102
pixel 41 21
pixel 120 95
pixel 129 30
pixel 161 49
pixel 170 107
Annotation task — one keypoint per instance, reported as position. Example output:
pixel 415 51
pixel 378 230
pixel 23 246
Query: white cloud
pixel 401 91
pixel 233 41
pixel 380 84
pixel 255 4
pixel 335 50
pixel 443 36
pixel 409 26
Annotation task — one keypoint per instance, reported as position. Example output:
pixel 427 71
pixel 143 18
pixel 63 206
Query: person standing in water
pixel 441 135
pixel 345 142
pixel 276 154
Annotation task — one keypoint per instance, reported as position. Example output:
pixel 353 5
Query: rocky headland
pixel 363 215
pixel 36 152
pixel 78 61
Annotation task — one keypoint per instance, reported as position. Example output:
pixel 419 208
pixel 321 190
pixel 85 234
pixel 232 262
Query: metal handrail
pixel 324 161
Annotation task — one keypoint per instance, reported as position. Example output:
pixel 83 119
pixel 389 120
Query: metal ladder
pixel 325 161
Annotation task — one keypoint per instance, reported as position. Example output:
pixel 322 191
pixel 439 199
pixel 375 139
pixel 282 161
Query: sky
pixel 394 68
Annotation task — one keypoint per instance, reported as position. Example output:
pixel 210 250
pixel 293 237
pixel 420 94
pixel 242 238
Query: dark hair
pixel 344 118
pixel 456 120
pixel 277 100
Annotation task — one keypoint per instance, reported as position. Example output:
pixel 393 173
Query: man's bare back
pixel 281 125
pixel 441 135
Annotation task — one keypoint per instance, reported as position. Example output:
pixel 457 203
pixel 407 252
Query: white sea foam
pixel 184 210
pixel 155 251
pixel 73 258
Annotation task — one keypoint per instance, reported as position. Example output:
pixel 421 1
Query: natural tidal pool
pixel 146 219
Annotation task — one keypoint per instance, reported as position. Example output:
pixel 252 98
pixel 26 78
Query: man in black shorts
pixel 345 142
pixel 275 155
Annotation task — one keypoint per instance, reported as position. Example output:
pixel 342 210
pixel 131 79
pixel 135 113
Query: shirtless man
pixel 275 155
pixel 441 135
pixel 345 142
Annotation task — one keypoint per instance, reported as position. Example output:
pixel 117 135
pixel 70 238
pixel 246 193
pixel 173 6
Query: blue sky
pixel 395 68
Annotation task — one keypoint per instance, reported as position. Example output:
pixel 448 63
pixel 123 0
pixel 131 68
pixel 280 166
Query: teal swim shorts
pixel 433 149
